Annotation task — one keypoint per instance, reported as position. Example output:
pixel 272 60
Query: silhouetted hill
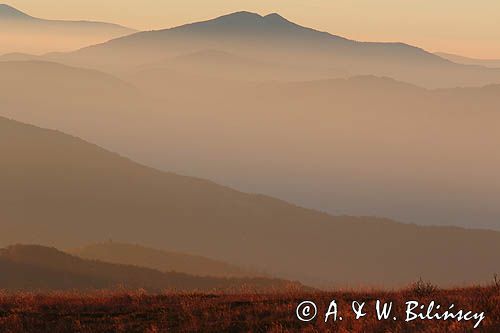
pixel 165 261
pixel 274 39
pixel 57 189
pixel 38 268
pixel 36 35
pixel 247 26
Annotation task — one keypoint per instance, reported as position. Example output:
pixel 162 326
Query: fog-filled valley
pixel 360 146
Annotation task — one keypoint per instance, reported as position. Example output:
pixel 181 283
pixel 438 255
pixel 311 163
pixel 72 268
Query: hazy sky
pixel 468 27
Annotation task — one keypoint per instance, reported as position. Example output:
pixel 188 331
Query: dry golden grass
pixel 246 312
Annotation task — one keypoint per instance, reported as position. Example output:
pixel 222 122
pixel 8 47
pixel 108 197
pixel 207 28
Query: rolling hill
pixel 38 268
pixel 59 190
pixel 75 100
pixel 20 32
pixel 274 39
pixel 165 261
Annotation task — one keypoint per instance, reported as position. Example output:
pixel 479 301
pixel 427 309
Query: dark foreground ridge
pixel 31 268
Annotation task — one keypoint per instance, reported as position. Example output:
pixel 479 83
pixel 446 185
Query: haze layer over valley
pixel 359 146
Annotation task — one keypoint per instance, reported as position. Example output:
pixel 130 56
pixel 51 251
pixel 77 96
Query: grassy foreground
pixel 246 312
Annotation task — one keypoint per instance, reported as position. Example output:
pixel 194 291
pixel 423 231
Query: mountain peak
pixel 9 12
pixel 275 17
pixel 239 18
pixel 242 22
pixel 244 16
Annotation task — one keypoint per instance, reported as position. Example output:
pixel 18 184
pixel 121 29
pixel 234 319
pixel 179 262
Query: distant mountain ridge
pixel 245 25
pixel 23 33
pixel 273 38
pixel 8 12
